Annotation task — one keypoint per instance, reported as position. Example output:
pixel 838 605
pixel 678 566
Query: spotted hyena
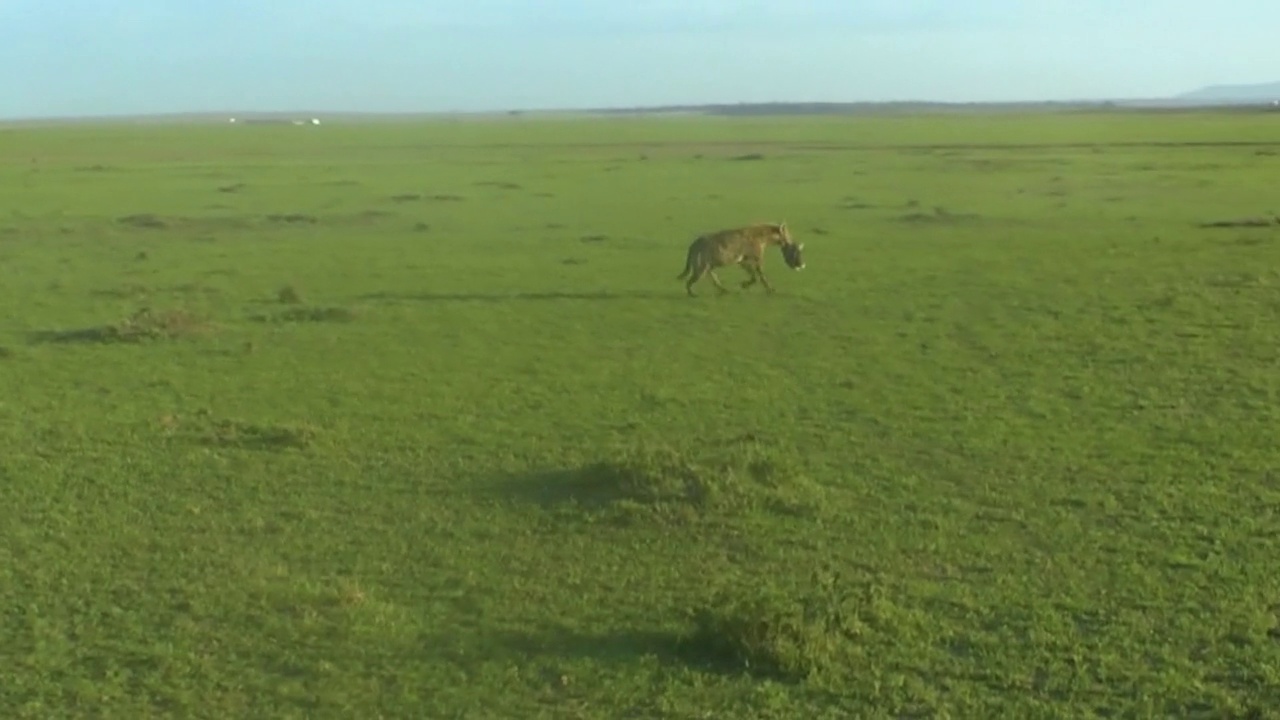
pixel 739 246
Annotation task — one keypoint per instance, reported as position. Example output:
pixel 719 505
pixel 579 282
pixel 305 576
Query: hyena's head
pixel 792 252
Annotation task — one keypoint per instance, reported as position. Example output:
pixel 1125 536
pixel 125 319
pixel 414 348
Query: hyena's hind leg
pixel 695 274
pixel 701 270
pixel 712 274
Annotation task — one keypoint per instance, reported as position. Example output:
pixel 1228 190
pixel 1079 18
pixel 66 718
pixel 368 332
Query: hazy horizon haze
pixel 97 57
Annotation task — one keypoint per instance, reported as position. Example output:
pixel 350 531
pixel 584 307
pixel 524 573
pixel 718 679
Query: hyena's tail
pixel 688 266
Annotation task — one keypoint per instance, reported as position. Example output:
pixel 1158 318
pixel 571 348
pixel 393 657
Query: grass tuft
pixel 792 636
pixel 289 295
pixel 205 429
pixel 293 218
pixel 145 221
pixel 656 484
pixel 143 326
pixel 940 215
pixel 255 436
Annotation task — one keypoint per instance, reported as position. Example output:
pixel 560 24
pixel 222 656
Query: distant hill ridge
pixel 1258 92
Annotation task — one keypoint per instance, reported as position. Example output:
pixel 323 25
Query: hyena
pixel 739 246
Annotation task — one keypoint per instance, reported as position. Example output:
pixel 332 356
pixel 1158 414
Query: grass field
pixel 416 421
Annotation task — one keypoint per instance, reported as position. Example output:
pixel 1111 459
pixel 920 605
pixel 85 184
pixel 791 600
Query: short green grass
pixel 416 421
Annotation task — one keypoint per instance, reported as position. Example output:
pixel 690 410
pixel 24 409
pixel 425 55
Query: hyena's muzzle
pixel 792 254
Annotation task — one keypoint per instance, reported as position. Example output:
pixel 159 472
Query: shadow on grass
pixel 610 647
pixel 523 296
pixel 307 314
pixel 103 334
pixel 690 650
pixel 1248 222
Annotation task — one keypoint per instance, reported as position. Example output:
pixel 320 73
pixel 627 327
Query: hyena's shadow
pixel 521 296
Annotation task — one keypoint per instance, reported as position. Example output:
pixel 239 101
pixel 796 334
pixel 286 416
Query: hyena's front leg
pixel 760 274
pixel 751 275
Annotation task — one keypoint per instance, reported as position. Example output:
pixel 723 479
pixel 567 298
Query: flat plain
pixel 415 420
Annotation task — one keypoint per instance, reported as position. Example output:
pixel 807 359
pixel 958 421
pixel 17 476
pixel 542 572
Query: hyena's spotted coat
pixel 739 246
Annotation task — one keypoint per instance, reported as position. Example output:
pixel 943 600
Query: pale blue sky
pixel 88 57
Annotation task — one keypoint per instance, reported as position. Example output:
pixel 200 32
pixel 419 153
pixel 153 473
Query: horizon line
pixel 655 108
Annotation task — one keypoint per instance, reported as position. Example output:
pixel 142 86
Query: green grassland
pixel 415 420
